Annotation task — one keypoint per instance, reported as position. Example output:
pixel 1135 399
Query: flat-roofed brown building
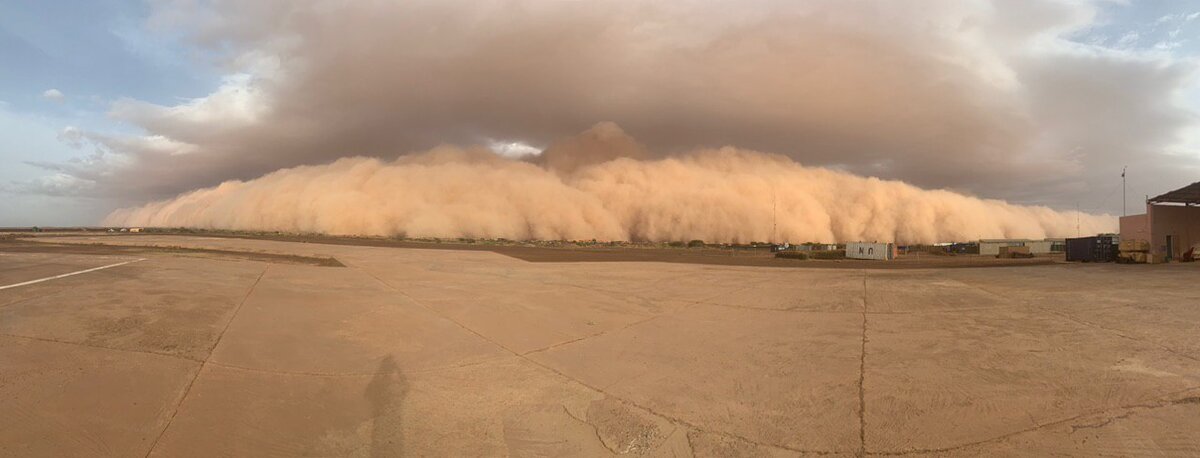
pixel 1171 223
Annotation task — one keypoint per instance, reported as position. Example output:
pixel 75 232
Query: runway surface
pixel 237 347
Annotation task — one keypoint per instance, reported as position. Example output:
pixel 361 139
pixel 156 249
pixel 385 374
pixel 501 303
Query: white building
pixel 991 247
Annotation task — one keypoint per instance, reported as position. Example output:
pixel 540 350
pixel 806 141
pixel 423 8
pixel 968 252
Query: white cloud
pixel 72 137
pixel 1167 45
pixel 63 184
pixel 1129 39
pixel 514 149
pixel 238 101
pixel 54 95
pixel 58 183
pixel 1178 17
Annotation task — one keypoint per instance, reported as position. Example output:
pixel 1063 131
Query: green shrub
pixel 834 254
pixel 696 244
pixel 791 255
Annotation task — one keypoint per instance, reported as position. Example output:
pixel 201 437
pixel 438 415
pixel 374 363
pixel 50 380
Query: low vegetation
pixel 792 255
pixel 833 254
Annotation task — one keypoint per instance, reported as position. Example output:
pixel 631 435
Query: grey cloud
pixel 981 98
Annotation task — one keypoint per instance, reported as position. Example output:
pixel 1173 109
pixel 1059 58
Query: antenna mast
pixel 774 220
pixel 1123 213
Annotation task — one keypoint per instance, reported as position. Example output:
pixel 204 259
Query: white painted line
pixel 30 282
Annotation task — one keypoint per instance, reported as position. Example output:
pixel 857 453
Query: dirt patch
pixel 621 429
pixel 12 245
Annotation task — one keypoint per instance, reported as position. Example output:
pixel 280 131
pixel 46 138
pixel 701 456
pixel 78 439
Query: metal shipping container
pixel 864 250
pixel 1091 249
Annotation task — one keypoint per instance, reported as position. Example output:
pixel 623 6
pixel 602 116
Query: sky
pixel 108 104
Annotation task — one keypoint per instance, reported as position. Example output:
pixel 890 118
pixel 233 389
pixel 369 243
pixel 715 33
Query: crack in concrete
pixel 354 374
pixel 686 306
pixel 188 389
pixel 597 334
pixel 627 402
pixel 595 430
pixel 1117 332
pixel 862 451
pixel 686 437
pixel 55 291
pixel 856 312
pixel 40 296
pixel 1101 424
pixel 1036 427
pixel 862 376
pixel 101 347
pixel 1163 402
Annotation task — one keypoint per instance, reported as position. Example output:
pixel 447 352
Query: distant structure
pixel 991 247
pixel 871 250
pixel 963 248
pixel 1171 224
pixel 815 247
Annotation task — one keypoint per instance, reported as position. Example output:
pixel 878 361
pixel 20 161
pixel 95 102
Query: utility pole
pixel 1123 213
pixel 774 220
pixel 1077 218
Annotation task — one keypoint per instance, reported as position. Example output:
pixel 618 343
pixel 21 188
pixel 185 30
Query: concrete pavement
pixel 431 352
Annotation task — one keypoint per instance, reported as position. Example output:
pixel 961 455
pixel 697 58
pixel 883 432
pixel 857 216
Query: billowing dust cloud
pixel 599 185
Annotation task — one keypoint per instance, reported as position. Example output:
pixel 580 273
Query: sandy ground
pixel 711 255
pixel 223 347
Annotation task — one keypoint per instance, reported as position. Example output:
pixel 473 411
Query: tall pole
pixel 774 221
pixel 1077 219
pixel 1123 213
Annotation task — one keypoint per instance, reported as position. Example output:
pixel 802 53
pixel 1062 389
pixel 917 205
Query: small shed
pixel 991 247
pixel 1040 246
